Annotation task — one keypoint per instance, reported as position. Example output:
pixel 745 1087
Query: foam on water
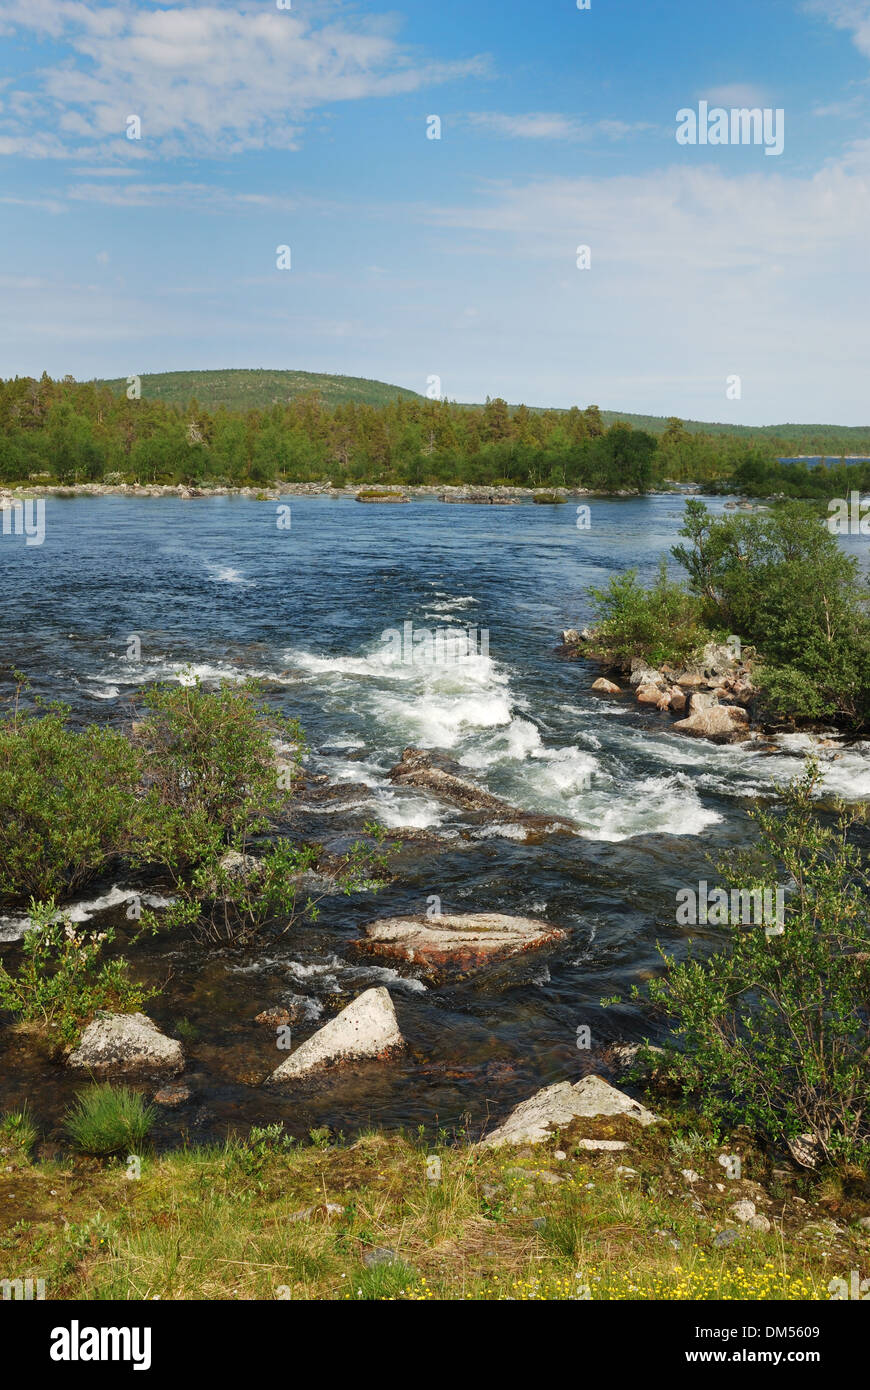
pixel 161 667
pixel 14 928
pixel 226 574
pixel 468 708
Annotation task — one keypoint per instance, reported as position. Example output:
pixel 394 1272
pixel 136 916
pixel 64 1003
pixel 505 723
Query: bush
pixel 222 905
pixel 661 624
pixel 782 583
pixel 210 767
pixel 69 803
pixel 773 1032
pixel 106 1119
pixel 61 983
pixel 200 780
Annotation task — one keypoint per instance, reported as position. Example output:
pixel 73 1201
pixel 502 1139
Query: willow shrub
pixel 62 978
pixel 206 776
pixel 774 1030
pixel 69 803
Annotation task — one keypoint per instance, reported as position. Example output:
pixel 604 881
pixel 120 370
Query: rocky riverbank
pixel 273 491
pixel 713 697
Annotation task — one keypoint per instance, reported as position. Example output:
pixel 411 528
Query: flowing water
pixel 218 589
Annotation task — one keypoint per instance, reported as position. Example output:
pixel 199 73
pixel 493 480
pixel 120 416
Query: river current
pixel 127 591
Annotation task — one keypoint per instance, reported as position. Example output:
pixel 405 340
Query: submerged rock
pixel 276 1017
pixel 366 1028
pixel 173 1096
pixel 418 768
pixel 464 941
pixel 555 1107
pixel 125 1044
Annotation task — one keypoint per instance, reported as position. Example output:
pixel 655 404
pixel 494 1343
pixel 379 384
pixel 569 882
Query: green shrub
pixel 782 583
pixel 204 775
pixel 222 906
pixel 69 803
pixel 106 1119
pixel 210 767
pixel 61 982
pixel 773 1031
pixel 660 624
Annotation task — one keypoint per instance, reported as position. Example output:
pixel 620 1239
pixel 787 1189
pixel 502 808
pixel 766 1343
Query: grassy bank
pixel 327 1221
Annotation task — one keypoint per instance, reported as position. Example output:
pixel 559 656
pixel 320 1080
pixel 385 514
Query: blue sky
pixel 454 258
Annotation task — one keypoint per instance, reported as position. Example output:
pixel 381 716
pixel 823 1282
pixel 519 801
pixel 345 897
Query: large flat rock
pixel 126 1045
pixel 366 1028
pixel 556 1107
pixel 461 942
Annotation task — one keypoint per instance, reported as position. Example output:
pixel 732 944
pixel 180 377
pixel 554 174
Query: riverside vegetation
pixel 768 1058
pixel 778 582
pixel 90 432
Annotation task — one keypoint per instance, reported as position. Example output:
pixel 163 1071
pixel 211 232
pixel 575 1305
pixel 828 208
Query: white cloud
pixel 697 272
pixel 550 125
pixel 853 15
pixel 204 80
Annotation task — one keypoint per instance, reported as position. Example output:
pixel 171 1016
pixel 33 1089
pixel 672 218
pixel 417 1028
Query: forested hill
pixel 241 389
pixel 258 389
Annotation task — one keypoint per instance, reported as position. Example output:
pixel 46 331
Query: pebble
pixel 743 1211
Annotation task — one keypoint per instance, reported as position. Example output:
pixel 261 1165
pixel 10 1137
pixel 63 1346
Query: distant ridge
pixel 244 388
pixel 254 388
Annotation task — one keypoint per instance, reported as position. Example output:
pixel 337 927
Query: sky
pixel 721 282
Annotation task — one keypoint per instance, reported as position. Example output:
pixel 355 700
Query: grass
pixel 106 1119
pixel 271 1220
pixel 18 1133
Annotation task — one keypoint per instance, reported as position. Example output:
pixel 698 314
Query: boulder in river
pixel 708 719
pixel 125 1045
pixel 606 687
pixel 418 769
pixel 652 695
pixel 366 1028
pixel 642 674
pixel 462 942
pixel 555 1107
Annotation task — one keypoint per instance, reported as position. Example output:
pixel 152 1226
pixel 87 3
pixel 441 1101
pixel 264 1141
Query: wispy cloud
pixel 852 15
pixel 203 79
pixel 550 125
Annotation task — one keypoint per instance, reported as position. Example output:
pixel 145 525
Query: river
pixel 226 588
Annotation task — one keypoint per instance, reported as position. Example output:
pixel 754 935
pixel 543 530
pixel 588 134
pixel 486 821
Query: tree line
pixel 72 432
